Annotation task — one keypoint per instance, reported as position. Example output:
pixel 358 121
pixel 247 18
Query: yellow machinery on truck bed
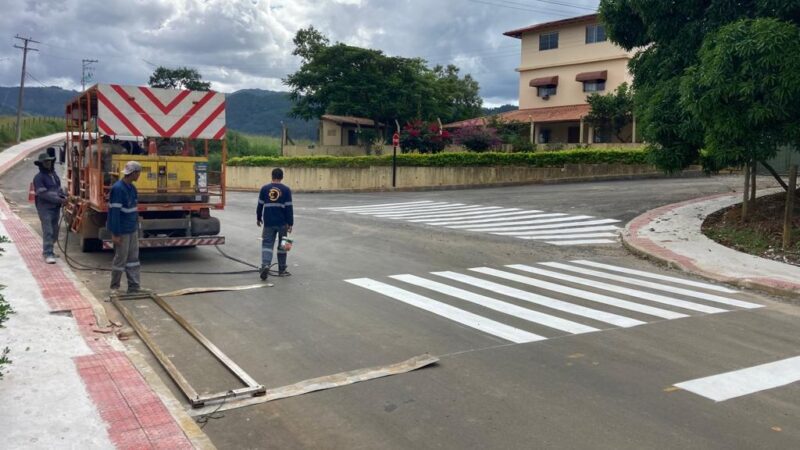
pixel 170 132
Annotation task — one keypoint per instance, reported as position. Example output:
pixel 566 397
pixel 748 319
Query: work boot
pixel 49 259
pixel 139 290
pixel 264 272
pixel 284 273
pixel 114 292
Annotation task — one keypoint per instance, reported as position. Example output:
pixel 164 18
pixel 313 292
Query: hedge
pixel 540 159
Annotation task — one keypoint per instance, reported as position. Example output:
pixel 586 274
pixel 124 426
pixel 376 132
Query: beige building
pixel 338 136
pixel 562 63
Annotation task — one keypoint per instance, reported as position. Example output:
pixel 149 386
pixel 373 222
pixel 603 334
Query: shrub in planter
pixel 477 139
pixel 423 137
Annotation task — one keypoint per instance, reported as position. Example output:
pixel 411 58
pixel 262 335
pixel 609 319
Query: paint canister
pixel 286 244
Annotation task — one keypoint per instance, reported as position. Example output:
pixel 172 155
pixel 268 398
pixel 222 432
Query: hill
pixel 253 111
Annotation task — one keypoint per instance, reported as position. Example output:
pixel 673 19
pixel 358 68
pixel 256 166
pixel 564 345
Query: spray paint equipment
pixel 285 244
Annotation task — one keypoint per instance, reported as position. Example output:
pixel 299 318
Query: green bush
pixel 544 159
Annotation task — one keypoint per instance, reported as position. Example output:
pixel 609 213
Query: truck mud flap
pixel 172 242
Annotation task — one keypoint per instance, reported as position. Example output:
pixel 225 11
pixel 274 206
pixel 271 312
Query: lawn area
pixel 32 127
pixel 762 235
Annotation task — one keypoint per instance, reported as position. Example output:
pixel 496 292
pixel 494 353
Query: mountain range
pixel 254 111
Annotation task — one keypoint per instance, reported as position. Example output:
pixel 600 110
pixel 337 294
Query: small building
pixel 561 64
pixel 342 130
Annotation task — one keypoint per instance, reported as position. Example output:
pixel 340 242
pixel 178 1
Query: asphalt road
pixel 503 381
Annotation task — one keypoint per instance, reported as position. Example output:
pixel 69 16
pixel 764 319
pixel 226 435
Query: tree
pixel 668 37
pixel 745 91
pixel 477 138
pixel 347 80
pixel 612 111
pixel 180 78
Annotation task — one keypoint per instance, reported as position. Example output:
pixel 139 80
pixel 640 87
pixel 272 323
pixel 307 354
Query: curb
pixel 651 250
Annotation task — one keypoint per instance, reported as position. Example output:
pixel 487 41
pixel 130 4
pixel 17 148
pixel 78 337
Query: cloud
pixel 239 44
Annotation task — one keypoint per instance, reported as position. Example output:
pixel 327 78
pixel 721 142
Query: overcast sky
pixel 239 44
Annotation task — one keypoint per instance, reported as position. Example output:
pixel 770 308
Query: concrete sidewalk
pixel 671 234
pixel 70 383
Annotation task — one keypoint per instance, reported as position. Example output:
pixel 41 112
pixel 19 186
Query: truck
pixel 172 134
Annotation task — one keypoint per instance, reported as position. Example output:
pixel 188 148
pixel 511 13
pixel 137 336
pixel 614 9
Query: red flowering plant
pixel 477 138
pixel 423 137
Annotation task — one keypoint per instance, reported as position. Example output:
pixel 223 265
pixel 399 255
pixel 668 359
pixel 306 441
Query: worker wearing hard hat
pixel 49 199
pixel 123 223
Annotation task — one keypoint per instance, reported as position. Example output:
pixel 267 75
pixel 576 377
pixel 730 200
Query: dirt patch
pixel 762 235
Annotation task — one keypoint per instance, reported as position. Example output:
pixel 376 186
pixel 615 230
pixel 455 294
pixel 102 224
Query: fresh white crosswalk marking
pixel 737 383
pixel 578 310
pixel 656 286
pixel 566 233
pixel 655 276
pixel 495 219
pixel 497 305
pixel 399 205
pixel 586 295
pixel 479 223
pixel 566 314
pixel 455 314
pixel 609 287
pixel 529 225
pixel 573 236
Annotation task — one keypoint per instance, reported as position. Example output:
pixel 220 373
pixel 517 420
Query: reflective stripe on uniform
pixel 274 205
pixel 261 202
pixel 40 190
pixel 133 264
pixel 129 210
pixel 115 205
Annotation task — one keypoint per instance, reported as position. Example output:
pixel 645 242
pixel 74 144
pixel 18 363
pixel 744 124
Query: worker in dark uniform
pixel 276 214
pixel 123 223
pixel 49 199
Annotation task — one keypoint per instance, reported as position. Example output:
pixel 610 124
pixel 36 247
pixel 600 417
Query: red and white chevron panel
pixel 152 112
pixel 173 242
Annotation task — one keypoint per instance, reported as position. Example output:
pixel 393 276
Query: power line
pixel 86 73
pixel 36 79
pixel 25 49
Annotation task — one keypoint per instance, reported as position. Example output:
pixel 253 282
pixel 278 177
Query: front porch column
pixel 591 135
pixel 580 135
pixel 633 134
pixel 533 134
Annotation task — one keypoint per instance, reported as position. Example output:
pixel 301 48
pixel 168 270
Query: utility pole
pixel 25 49
pixel 86 75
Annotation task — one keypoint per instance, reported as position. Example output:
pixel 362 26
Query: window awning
pixel 544 81
pixel 600 75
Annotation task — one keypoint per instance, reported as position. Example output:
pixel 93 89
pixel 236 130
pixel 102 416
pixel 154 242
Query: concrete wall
pixel 380 178
pixel 572 57
pixel 334 150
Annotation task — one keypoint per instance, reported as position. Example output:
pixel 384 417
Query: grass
pixel 32 127
pixel 762 235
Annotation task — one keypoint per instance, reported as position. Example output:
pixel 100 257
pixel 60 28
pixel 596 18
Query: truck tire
pixel 205 227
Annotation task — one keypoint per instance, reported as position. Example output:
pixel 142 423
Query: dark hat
pixel 44 157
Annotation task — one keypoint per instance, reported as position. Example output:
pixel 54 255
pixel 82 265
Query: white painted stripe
pixel 425 209
pixel 527 225
pixel 658 298
pixel 497 305
pixel 497 217
pixel 448 210
pixel 581 294
pixel 581 242
pixel 562 227
pixel 552 303
pixel 564 231
pixel 477 216
pixel 455 314
pixel 401 208
pixel 656 276
pixel 551 219
pixel 737 383
pixel 573 236
pixel 376 206
pixel 485 211
pixel 656 286
pixel 492 222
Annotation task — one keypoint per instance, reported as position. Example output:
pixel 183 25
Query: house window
pixel 546 91
pixel 544 136
pixel 594 86
pixel 595 33
pixel 548 41
pixel 573 135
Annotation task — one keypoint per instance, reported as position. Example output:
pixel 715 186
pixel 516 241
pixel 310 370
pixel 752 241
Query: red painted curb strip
pixel 651 249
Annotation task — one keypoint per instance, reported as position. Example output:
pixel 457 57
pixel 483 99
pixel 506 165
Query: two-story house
pixel 562 63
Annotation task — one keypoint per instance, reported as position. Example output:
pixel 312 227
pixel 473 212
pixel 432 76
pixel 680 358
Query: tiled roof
pixel 349 120
pixel 550 25
pixel 539 115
